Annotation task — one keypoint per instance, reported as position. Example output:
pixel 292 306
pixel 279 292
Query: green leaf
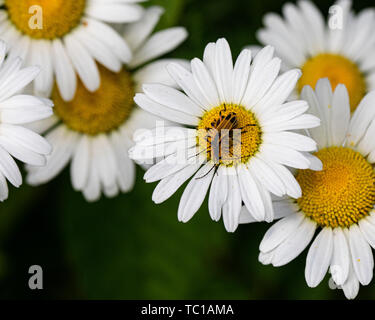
pixel 173 10
pixel 13 209
pixel 130 248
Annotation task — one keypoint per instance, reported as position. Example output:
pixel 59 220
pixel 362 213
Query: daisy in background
pixel 340 50
pixel 338 201
pixel 94 131
pixel 248 101
pixel 16 110
pixel 65 37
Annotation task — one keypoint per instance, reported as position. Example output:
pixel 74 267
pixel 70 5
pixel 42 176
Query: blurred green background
pixel 129 248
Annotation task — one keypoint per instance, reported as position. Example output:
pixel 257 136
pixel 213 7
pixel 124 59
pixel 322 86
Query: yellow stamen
pixel 341 194
pixel 229 134
pixel 101 111
pixel 339 70
pixel 45 19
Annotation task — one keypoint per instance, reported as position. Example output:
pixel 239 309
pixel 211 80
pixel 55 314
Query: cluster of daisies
pixel 283 133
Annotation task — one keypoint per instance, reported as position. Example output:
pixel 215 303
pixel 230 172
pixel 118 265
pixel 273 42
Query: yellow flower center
pixel 45 19
pixel 339 70
pixel 229 134
pixel 102 111
pixel 342 193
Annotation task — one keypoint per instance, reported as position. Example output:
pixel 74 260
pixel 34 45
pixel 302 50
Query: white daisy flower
pixel 94 131
pixel 17 110
pixel 242 104
pixel 65 37
pixel 340 49
pixel 338 201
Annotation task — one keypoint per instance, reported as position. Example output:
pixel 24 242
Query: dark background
pixel 130 248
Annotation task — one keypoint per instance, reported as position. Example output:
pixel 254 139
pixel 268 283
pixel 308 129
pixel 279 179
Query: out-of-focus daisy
pixel 94 131
pixel 338 201
pixel 237 138
pixel 65 37
pixel 17 110
pixel 340 49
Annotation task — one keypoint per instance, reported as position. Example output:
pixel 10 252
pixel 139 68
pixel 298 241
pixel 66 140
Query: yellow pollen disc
pixel 45 19
pixel 229 134
pixel 339 70
pixel 102 111
pixel 342 193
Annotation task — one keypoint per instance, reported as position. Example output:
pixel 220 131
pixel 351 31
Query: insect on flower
pixel 223 137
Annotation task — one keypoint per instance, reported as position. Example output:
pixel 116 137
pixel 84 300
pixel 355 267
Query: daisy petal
pixel 218 193
pixel 362 259
pixel 340 263
pixel 280 231
pixel 319 257
pixel 232 205
pixel 194 193
pixel 294 244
